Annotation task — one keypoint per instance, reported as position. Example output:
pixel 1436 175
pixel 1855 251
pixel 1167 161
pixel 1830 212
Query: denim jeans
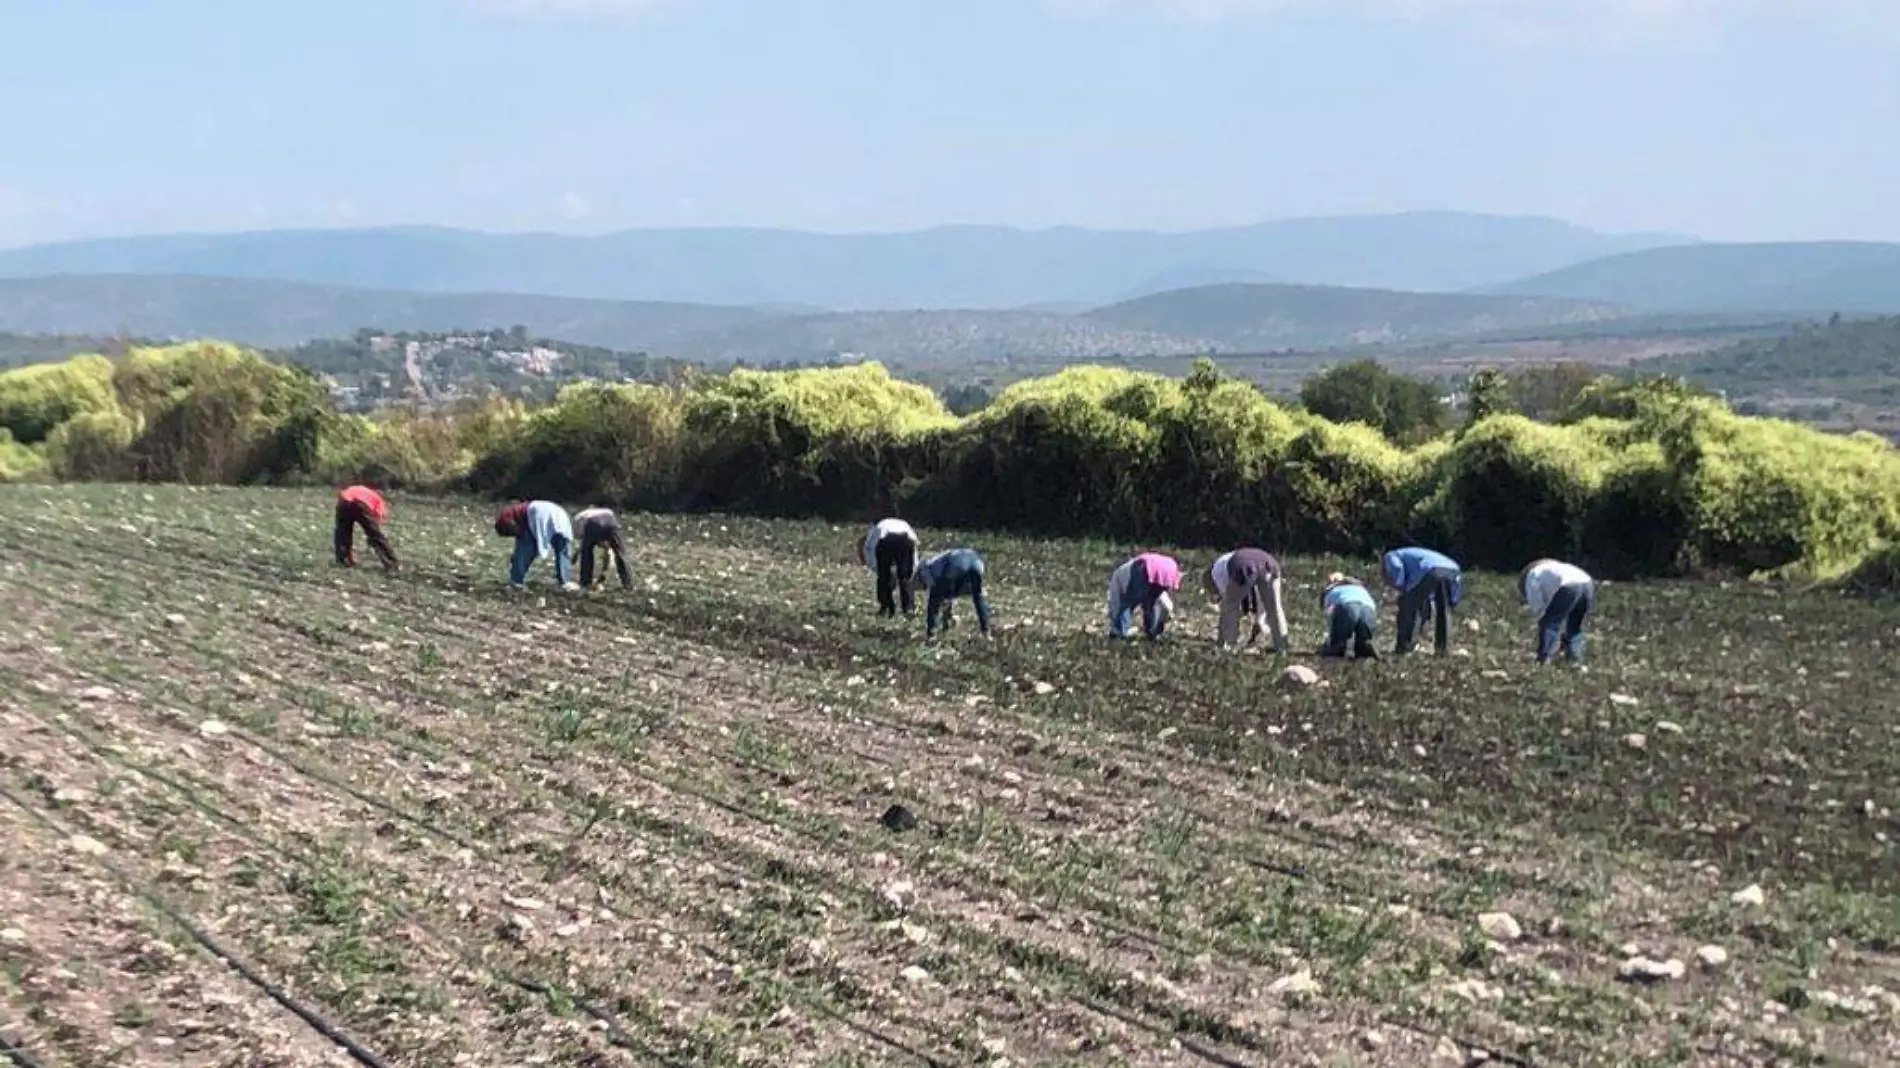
pixel 1138 595
pixel 1563 620
pixel 1431 597
pixel 1352 623
pixel 526 552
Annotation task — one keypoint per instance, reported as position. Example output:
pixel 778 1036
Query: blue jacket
pixel 1406 568
pixel 949 575
pixel 1347 593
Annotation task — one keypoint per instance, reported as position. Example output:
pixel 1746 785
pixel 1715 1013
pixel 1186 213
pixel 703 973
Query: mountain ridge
pixel 973 266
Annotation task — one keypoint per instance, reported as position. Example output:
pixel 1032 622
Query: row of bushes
pixel 1638 479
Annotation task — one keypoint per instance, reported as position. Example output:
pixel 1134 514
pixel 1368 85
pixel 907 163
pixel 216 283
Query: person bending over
pixel 541 529
pixel 1351 612
pixel 1145 583
pixel 1247 577
pixel 1430 585
pixel 890 551
pixel 360 506
pixel 600 531
pixel 949 575
pixel 1561 596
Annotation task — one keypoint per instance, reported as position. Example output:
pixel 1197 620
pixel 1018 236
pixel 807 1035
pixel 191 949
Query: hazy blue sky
pixel 1747 119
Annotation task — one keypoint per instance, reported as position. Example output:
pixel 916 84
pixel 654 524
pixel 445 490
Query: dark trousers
pixel 1352 623
pixel 603 532
pixel 349 516
pixel 1569 609
pixel 1430 598
pixel 896 559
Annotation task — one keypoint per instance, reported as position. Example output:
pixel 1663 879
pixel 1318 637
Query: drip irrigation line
pixel 18 1053
pixel 360 1053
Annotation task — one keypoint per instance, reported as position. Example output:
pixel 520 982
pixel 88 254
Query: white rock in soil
pixel 12 936
pixel 1501 926
pixel 1711 957
pixel 88 845
pixel 96 693
pixel 900 893
pixel 211 728
pixel 1044 689
pixel 525 904
pixel 1624 699
pixel 1846 1003
pixel 1749 896
pixel 1475 990
pixel 1299 677
pixel 1668 727
pixel 567 930
pixel 1636 741
pixel 1300 982
pixel 1645 970
pixel 71 795
pixel 914 974
pixel 1473 626
pixel 1371 1041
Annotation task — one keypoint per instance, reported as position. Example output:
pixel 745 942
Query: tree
pixel 1405 410
pixel 1545 393
pixel 1488 393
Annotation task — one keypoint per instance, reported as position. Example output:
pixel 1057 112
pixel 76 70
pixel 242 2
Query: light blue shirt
pixel 546 520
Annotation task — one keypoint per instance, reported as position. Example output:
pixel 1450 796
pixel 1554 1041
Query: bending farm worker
pixel 1350 614
pixel 1430 584
pixel 949 575
pixel 1143 582
pixel 600 531
pixel 540 529
pixel 890 551
pixel 1249 582
pixel 360 506
pixel 1562 597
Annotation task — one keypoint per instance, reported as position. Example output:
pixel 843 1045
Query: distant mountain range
pixel 1821 276
pixel 948 267
pixel 949 295
pixel 1222 318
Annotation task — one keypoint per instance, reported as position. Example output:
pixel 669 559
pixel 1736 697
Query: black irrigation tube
pixel 359 1052
pixel 616 1034
pixel 18 1053
pixel 1213 1056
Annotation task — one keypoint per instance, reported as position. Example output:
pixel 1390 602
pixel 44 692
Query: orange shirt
pixel 368 498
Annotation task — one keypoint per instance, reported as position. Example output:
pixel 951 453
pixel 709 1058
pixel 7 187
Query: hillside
pixel 929 338
pixel 946 267
pixel 18 350
pixel 275 314
pixel 1843 373
pixel 1810 277
pixel 1255 317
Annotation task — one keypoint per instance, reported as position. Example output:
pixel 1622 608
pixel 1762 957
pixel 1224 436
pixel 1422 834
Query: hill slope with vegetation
pixel 1840 373
pixel 272 314
pixel 1241 317
pixel 1838 276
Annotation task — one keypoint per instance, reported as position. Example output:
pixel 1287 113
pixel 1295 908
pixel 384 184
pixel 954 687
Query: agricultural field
pixel 259 809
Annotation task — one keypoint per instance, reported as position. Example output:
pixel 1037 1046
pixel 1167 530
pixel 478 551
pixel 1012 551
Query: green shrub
pixel 1513 490
pixel 94 447
pixel 216 413
pixel 1341 488
pixel 19 463
pixel 1765 495
pixel 35 400
pixel 1055 454
pixel 827 441
pixel 596 442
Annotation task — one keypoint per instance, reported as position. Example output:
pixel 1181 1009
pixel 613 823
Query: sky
pixel 1728 119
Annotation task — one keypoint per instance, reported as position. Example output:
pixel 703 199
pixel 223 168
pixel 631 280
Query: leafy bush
pixel 215 413
pixel 596 442
pixel 1514 490
pixel 18 462
pixel 1341 488
pixel 1766 495
pixel 92 447
pixel 35 400
pixel 826 441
